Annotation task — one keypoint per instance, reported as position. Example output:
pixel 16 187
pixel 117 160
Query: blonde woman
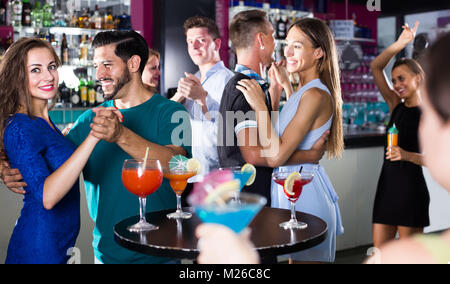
pixel 309 113
pixel 151 73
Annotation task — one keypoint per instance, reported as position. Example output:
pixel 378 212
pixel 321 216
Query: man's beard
pixel 125 79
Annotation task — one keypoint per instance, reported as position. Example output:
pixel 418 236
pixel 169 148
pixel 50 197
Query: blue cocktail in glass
pixel 235 210
pixel 242 176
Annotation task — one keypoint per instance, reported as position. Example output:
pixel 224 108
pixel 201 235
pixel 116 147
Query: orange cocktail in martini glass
pixel 178 179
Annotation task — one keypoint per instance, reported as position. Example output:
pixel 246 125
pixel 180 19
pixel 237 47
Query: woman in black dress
pixel 402 199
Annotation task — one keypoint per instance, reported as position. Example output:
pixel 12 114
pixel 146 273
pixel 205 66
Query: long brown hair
pixel 328 67
pixel 14 91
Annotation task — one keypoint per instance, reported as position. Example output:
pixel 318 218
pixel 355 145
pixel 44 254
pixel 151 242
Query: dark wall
pixel 169 38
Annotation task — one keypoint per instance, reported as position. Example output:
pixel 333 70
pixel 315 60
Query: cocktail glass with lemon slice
pixel 292 183
pixel 245 174
pixel 178 177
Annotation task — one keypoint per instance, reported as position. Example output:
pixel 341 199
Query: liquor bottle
pixel 75 98
pixel 74 51
pixel 99 91
pixel 60 20
pixel 47 17
pixel 64 50
pixel 83 92
pixel 9 12
pixel 97 19
pixel 90 51
pixel 64 92
pixel 357 28
pixel 116 22
pixel 83 51
pixel 74 20
pixel 281 26
pixel 48 36
pixel 37 15
pixel 124 22
pixel 92 94
pixel 109 20
pixel 3 14
pixel 83 20
pixel 26 13
pixel 17 14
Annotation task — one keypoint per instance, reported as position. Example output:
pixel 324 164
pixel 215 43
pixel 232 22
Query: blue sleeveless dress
pixel 318 197
pixel 40 236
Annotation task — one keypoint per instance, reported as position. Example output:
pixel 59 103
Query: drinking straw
pixel 146 156
pixel 301 169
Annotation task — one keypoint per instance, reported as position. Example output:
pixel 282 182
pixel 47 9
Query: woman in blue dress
pixel 310 112
pixel 49 222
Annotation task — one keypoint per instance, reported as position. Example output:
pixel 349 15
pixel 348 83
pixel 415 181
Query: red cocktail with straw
pixel 142 177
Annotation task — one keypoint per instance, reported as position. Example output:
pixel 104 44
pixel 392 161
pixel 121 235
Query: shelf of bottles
pixel 72 102
pixel 70 26
pixel 364 108
pixel 364 111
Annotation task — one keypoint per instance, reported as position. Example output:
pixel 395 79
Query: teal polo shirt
pixel 157 120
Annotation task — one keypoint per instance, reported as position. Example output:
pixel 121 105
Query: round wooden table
pixel 176 238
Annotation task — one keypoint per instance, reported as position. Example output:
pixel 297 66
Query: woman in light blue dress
pixel 310 112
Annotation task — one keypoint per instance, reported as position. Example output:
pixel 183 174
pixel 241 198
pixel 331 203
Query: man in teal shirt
pixel 108 200
pixel 147 122
pixel 131 120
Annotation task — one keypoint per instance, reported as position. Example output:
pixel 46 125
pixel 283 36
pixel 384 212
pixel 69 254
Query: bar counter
pixel 364 138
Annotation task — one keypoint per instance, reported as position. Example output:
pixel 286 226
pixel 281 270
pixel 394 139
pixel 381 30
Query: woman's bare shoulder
pixel 317 94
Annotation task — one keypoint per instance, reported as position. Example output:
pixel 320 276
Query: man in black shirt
pixel 252 36
pixel 237 138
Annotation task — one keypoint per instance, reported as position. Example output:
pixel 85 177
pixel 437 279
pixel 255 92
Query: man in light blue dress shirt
pixel 201 93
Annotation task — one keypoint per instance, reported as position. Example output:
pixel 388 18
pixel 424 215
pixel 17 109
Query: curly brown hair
pixel 14 91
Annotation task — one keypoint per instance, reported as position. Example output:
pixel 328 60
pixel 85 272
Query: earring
pixel 262 47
